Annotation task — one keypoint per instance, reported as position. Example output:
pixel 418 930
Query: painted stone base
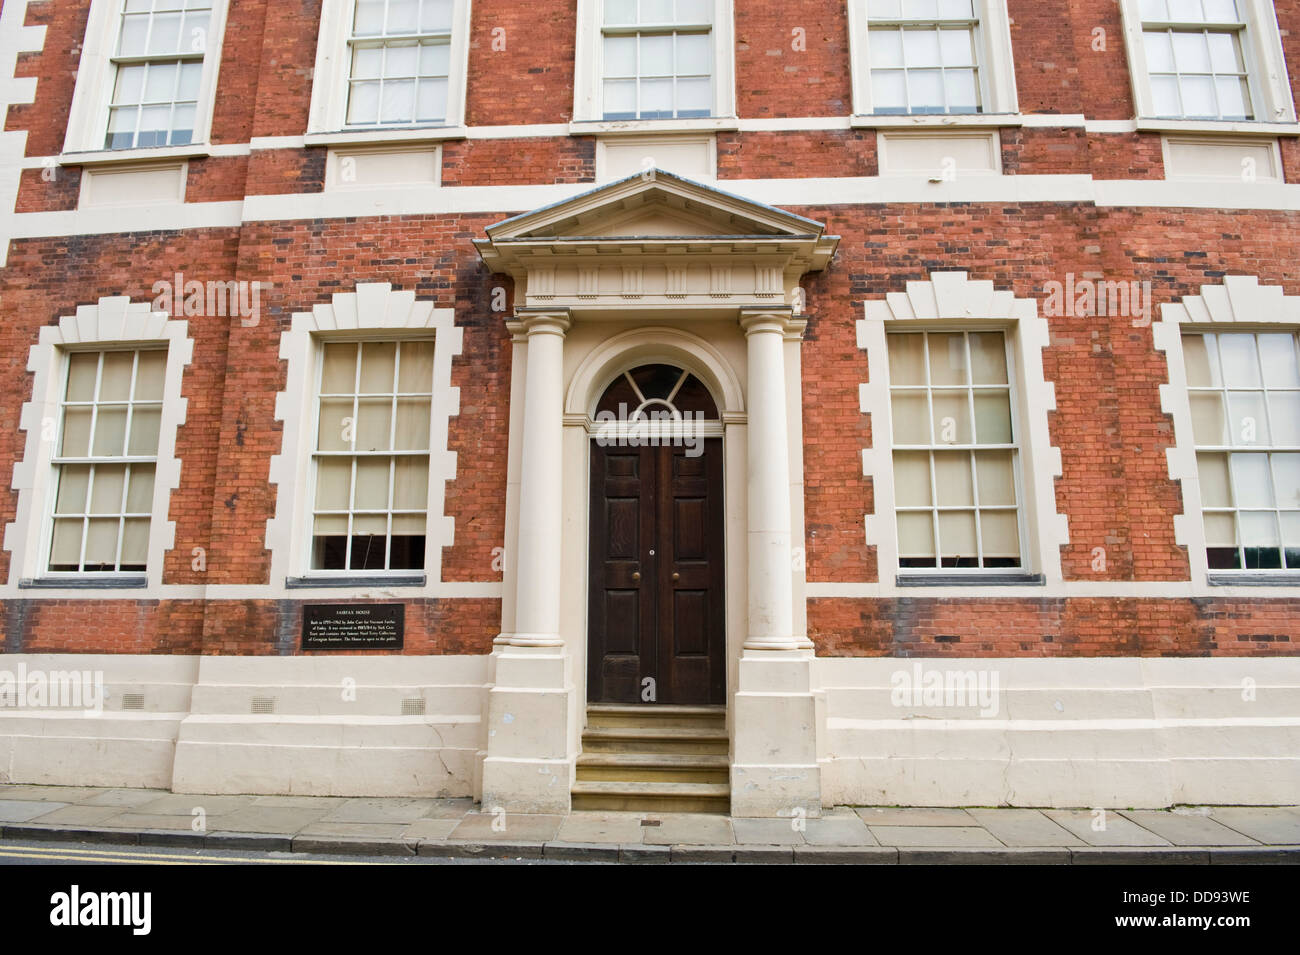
pixel 775 771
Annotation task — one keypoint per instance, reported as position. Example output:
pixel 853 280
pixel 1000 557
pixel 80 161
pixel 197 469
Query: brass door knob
pixel 677 576
pixel 636 575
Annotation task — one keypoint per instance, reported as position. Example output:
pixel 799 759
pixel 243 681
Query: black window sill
pixel 133 582
pixel 308 583
pixel 969 580
pixel 1254 580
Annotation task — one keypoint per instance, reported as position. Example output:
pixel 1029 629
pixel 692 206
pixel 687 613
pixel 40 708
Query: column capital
pixel 540 321
pixel 780 319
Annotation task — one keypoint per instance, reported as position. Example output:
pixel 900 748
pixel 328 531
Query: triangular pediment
pixel 654 203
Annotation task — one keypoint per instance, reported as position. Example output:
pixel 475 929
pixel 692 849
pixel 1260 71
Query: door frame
pixel 711 431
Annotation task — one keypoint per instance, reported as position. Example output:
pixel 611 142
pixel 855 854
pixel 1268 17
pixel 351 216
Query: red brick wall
pixel 792 59
pixel 508 162
pixel 797 155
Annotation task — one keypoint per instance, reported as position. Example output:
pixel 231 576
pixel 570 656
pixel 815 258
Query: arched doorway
pixel 656 587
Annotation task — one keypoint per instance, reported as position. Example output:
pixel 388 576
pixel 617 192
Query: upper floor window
pixel 657 59
pixel 918 57
pixel 1195 58
pixel 147 75
pixel 923 56
pixel 1244 391
pixel 390 65
pixel 400 51
pixel 1207 60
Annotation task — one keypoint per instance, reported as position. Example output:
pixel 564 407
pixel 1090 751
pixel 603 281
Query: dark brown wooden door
pixel 657 607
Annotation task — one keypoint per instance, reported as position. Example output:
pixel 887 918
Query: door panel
pixel 657 513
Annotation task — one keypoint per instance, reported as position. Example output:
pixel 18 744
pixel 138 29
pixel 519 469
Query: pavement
pixel 457 828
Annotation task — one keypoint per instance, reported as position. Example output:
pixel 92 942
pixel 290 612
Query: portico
pixel 655 271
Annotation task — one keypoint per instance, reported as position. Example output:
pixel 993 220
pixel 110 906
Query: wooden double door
pixel 657 616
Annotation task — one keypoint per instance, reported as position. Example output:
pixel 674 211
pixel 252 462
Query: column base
pixel 529 766
pixel 775 772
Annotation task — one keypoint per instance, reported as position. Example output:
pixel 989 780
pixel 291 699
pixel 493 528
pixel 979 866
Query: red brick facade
pixel 1115 490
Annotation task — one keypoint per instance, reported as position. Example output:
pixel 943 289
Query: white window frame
pixel 327 122
pixel 950 301
pixel 1240 304
pixel 995 70
pixel 114 323
pixel 1261 43
pixel 373 312
pixel 588 73
pixel 931 447
pixel 96 78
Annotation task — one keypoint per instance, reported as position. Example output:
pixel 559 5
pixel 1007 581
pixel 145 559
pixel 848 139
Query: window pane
pixel 1220 530
pixel 106 489
pixel 1201 356
pixel 886 48
pixel 397 101
pixel 694 54
pixel 82 371
pixel 101 545
pixel 1284 412
pixel 371 491
pixel 1234 101
pixel 656 98
pixel 993 417
pixel 435 59
pixel 889 91
pixel 1278 355
pixel 1240 364
pixel 951 418
pixel 1000 534
pixel 339 369
pixel 656 55
pixel 694 97
pixel 412 424
pixel 363 103
pixel 1191 52
pixel 925 90
pixel 403 16
pixel 435 16
pixel 165 35
pixel 956 534
pixel 76 433
pixel 135 544
pixel 1213 471
pixel 368 63
pixel 333 484
pixel 146 421
pixel 74 480
pixel 337 425
pixel 620 12
pixel 694 11
pixel 947 360
pixel 921 48
pixel 906 359
pixel 912 478
pixel 916 535
pixel 370 18
pixel 115 383
pixel 1198 96
pixel 1247 419
pixel 1207 419
pixel 65 550
pixel 961 90
pixel 953 480
pixel 997 483
pixel 374 425
pixel 1164 96
pixel 1250 479
pixel 139 495
pixel 431 100
pixel 956 48
pixel 149 376
pixel 401 60
pixel 620 99
pixel 882 9
pixel 988 358
pixel 378 362
pixel 656 11
pixel 411 484
pixel 911 418
pixel 110 432
pixel 1286 478
pixel 1159 51
pixel 1221 11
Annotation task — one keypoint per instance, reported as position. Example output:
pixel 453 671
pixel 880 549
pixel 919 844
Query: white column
pixel 771 615
pixel 537 599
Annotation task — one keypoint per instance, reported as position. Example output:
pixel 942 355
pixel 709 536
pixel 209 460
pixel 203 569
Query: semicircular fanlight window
pixel 649 389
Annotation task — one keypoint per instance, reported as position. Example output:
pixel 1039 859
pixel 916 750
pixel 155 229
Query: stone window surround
pixel 374 310
pixel 952 301
pixel 113 321
pixel 1264 308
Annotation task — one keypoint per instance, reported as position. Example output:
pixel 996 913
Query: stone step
pixel 655 739
pixel 654 767
pixel 701 717
pixel 651 796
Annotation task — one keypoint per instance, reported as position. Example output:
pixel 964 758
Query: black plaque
pixel 353 626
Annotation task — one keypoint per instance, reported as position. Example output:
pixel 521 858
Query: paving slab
pixel 847 830
pixel 914 817
pixel 351 846
pixel 379 810
pixel 1023 828
pixel 580 852
pixel 690 829
pixel 451 808
pixel 1185 829
pixel 1273 826
pixel 141 821
pixel 77 815
pixel 21 810
pixel 984 856
pixel 1118 832
pixel 300 802
pixel 767 832
pixel 592 827
pixel 355 830
pixel 429 830
pixel 64 794
pixel 183 804
pixel 517 827
pixel 944 836
pixel 123 798
pixel 267 819
pixel 846 855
